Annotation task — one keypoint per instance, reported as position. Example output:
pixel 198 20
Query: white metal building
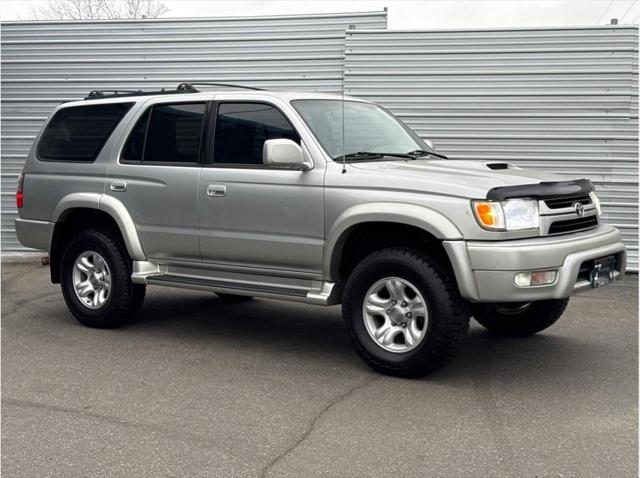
pixel 558 99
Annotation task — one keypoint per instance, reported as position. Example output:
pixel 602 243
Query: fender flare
pixel 114 208
pixel 422 217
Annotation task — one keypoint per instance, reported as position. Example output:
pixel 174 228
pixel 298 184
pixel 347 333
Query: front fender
pixel 422 217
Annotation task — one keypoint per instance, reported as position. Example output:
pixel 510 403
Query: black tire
pixel 125 298
pixel 233 297
pixel 448 312
pixel 520 320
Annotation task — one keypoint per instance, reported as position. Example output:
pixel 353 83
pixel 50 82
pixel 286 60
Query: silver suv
pixel 308 197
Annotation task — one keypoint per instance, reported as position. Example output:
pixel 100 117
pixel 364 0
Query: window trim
pixel 209 160
pixel 203 136
pixel 104 142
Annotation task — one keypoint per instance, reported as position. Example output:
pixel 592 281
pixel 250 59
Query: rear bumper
pixel 485 270
pixel 34 234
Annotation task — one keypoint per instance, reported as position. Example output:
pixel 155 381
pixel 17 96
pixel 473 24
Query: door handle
pixel 118 186
pixel 216 190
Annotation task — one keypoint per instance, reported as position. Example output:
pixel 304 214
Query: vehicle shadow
pixel 318 333
pixel 257 324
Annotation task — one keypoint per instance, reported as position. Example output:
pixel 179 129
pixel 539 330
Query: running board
pixel 326 293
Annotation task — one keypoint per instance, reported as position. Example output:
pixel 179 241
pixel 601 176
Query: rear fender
pixel 111 206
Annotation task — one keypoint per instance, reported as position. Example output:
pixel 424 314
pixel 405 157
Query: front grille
pixel 572 225
pixel 567 201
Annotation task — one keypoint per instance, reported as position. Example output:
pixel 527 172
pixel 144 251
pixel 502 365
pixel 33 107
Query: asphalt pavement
pixel 199 387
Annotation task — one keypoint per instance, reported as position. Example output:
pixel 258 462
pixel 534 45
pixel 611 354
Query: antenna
pixel 344 164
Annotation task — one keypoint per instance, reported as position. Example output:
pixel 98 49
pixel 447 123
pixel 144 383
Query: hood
pixel 469 179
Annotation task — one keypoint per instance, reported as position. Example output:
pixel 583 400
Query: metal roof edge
pixel 382 13
pixel 488 29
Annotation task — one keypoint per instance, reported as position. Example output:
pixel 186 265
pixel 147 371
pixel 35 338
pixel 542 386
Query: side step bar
pixel 326 293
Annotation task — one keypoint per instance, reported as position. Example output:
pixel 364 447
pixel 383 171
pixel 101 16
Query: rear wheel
pixel 96 280
pixel 404 313
pixel 520 319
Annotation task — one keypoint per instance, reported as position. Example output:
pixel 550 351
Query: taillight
pixel 20 192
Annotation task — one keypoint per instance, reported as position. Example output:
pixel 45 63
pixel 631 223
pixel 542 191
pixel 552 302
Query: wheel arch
pixel 421 224
pixel 87 210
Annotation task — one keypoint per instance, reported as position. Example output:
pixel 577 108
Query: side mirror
pixel 284 153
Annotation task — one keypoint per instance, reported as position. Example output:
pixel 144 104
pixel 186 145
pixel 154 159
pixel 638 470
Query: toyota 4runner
pixel 308 197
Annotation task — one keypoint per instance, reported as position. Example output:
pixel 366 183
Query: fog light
pixel 528 279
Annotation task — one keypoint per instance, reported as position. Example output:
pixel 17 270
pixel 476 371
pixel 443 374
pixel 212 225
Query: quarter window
pixel 78 133
pixel 242 129
pixel 134 148
pixel 167 134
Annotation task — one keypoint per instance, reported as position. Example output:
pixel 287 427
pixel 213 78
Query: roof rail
pixel 191 86
pixel 103 94
pixel 181 88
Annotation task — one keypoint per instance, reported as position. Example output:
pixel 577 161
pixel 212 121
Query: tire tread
pixel 449 337
pixel 540 316
pixel 126 298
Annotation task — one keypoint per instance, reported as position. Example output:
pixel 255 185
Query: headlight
pixel 510 215
pixel 596 201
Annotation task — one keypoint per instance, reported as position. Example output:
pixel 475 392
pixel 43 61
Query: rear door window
pixel 78 133
pixel 168 133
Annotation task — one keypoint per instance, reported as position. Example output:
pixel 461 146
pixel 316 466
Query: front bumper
pixel 485 270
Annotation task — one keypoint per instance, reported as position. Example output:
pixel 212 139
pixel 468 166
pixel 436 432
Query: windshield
pixel 367 128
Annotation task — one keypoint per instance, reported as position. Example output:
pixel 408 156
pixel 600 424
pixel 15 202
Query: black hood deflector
pixel 541 190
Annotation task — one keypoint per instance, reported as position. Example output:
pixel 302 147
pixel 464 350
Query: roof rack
pixel 103 94
pixel 191 89
pixel 181 88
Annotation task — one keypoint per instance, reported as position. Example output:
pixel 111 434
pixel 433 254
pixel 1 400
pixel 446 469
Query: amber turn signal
pixel 489 214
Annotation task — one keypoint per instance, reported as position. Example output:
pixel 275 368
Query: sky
pixel 402 14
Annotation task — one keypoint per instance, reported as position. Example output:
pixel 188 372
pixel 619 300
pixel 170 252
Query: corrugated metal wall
pixel 560 99
pixel 45 63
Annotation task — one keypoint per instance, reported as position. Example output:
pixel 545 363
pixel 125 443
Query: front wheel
pixel 520 319
pixel 404 313
pixel 96 280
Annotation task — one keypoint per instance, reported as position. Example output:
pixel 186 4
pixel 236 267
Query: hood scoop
pixel 499 166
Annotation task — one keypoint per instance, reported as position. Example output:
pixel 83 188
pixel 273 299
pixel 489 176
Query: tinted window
pixel 242 129
pixel 78 133
pixel 173 134
pixel 134 148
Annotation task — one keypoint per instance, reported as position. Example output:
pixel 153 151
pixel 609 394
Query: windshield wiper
pixel 360 155
pixel 421 152
pixel 370 155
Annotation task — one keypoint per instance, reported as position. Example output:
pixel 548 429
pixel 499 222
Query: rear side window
pixel 242 129
pixel 78 133
pixel 167 134
pixel 134 149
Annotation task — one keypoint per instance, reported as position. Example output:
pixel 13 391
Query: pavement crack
pixel 75 411
pixel 312 425
pixel 159 430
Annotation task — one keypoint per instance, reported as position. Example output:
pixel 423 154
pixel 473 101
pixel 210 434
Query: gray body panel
pixel 276 232
pixel 161 199
pixel 268 218
pixel 162 203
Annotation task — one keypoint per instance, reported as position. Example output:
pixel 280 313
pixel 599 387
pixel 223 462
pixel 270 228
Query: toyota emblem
pixel 579 209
